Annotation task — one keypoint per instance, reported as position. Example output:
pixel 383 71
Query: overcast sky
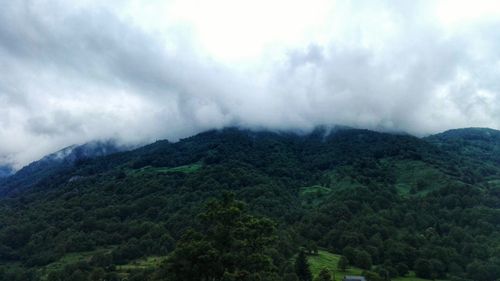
pixel 138 71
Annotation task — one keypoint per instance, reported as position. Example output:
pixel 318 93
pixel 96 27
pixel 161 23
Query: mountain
pixel 5 171
pixel 479 143
pixel 479 147
pixel 239 204
pixel 54 163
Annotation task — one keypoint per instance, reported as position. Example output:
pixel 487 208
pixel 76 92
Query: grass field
pixel 71 258
pixel 165 170
pixel 122 270
pixel 329 261
pixel 144 263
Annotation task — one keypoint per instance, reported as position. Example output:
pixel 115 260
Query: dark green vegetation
pixel 331 262
pixel 53 164
pixel 393 205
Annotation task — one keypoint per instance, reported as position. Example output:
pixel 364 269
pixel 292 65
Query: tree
pixel 363 259
pixel 290 276
pixel 350 253
pixel 343 263
pixel 372 276
pixel 324 275
pixel 312 248
pixel 302 267
pixel 97 274
pixel 101 259
pixel 484 271
pixel 194 259
pixel 423 268
pixel 78 275
pixel 54 276
pixel 402 269
pixel 383 273
pixel 438 268
pixel 231 246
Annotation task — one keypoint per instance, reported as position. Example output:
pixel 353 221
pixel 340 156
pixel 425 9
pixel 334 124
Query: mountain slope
pixel 479 147
pixel 54 163
pixel 392 200
pixel 482 144
pixel 5 171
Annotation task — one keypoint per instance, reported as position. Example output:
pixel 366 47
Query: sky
pixel 138 71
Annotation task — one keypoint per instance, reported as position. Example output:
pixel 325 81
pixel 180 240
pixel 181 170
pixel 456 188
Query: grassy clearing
pixel 144 263
pixel 494 183
pixel 191 168
pixel 71 258
pixel 122 270
pixel 329 261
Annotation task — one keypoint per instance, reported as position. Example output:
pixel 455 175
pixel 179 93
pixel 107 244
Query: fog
pixel 138 71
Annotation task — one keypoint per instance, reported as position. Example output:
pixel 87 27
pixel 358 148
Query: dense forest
pixel 236 204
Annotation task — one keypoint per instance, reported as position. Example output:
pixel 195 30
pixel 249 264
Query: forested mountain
pixel 54 163
pixel 480 144
pixel 236 204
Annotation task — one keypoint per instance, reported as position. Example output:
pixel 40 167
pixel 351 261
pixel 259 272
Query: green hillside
pixel 325 259
pixel 239 205
pixel 329 261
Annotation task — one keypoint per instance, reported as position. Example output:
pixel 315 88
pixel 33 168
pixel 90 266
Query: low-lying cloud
pixel 72 74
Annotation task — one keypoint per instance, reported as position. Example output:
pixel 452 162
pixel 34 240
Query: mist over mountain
pixel 170 69
pixel 54 163
pixel 228 140
pixel 391 204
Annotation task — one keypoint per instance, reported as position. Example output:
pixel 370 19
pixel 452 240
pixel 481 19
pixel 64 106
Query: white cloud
pixel 144 70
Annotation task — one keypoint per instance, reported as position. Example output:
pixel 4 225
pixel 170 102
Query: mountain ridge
pixel 71 155
pixel 57 161
pixel 384 201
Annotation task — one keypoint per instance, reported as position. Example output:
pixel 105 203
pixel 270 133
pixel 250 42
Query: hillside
pixel 55 163
pixel 481 146
pixel 384 201
pixel 324 259
pixel 5 171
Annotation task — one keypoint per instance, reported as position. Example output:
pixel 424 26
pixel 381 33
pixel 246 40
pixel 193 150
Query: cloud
pixel 140 71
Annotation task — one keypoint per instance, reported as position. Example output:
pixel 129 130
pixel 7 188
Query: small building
pixel 354 278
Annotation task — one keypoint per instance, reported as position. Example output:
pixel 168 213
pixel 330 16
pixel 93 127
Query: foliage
pixel 302 267
pixel 324 275
pixel 392 204
pixel 233 246
pixel 343 263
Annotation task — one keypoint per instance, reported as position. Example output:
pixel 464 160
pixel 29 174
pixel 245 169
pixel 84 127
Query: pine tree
pixel 302 267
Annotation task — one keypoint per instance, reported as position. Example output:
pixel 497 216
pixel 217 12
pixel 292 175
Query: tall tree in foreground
pixel 302 267
pixel 231 246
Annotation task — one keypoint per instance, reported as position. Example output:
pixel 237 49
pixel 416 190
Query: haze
pixel 137 71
